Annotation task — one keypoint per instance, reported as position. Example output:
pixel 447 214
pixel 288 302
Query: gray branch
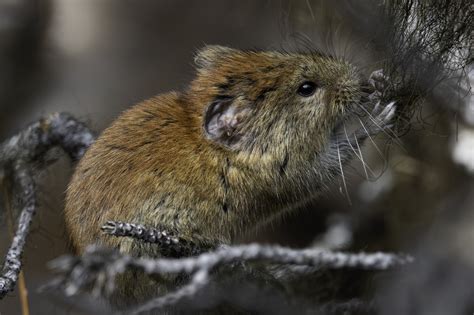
pixel 17 157
pixel 58 129
pixel 26 193
pixel 199 280
pixel 98 267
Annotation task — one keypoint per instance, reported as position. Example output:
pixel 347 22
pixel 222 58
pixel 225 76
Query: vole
pixel 255 134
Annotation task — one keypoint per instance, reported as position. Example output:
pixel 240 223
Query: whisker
pixel 370 137
pixel 385 162
pixel 362 159
pixel 358 156
pixel 342 172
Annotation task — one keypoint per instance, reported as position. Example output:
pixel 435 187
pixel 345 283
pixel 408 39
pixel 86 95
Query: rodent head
pixel 271 100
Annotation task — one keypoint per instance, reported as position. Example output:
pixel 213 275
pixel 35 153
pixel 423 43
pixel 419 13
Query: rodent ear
pixel 222 120
pixel 207 56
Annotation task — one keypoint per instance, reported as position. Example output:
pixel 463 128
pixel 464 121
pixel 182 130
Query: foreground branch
pixel 98 267
pixel 17 157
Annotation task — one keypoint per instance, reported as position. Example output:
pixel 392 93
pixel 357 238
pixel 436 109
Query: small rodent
pixel 256 133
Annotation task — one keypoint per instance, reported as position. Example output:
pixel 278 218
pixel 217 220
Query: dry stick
pixel 274 254
pixel 199 280
pixel 26 194
pixel 25 308
pixel 79 273
pixel 16 158
pixel 201 266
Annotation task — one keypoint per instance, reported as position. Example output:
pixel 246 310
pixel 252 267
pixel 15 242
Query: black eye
pixel 307 88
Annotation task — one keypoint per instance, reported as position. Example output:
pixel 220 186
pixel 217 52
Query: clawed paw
pixel 379 82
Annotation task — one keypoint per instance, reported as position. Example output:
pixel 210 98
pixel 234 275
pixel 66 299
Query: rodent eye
pixel 307 88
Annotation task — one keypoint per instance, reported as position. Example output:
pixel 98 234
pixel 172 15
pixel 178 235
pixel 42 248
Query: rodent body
pixel 242 144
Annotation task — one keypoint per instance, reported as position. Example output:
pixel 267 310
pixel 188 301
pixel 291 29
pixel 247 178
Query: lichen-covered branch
pixel 170 244
pixel 98 267
pixel 17 157
pixel 27 195
pixel 58 129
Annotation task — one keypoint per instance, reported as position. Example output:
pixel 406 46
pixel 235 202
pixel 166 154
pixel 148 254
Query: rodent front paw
pixel 379 82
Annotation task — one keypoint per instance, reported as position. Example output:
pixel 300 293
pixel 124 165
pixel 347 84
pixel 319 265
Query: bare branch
pixel 99 267
pixel 58 129
pixel 27 195
pixel 199 280
pixel 17 157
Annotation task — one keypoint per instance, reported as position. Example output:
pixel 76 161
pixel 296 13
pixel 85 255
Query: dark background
pixel 96 58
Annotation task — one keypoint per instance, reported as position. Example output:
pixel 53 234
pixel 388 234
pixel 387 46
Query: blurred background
pixel 96 58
